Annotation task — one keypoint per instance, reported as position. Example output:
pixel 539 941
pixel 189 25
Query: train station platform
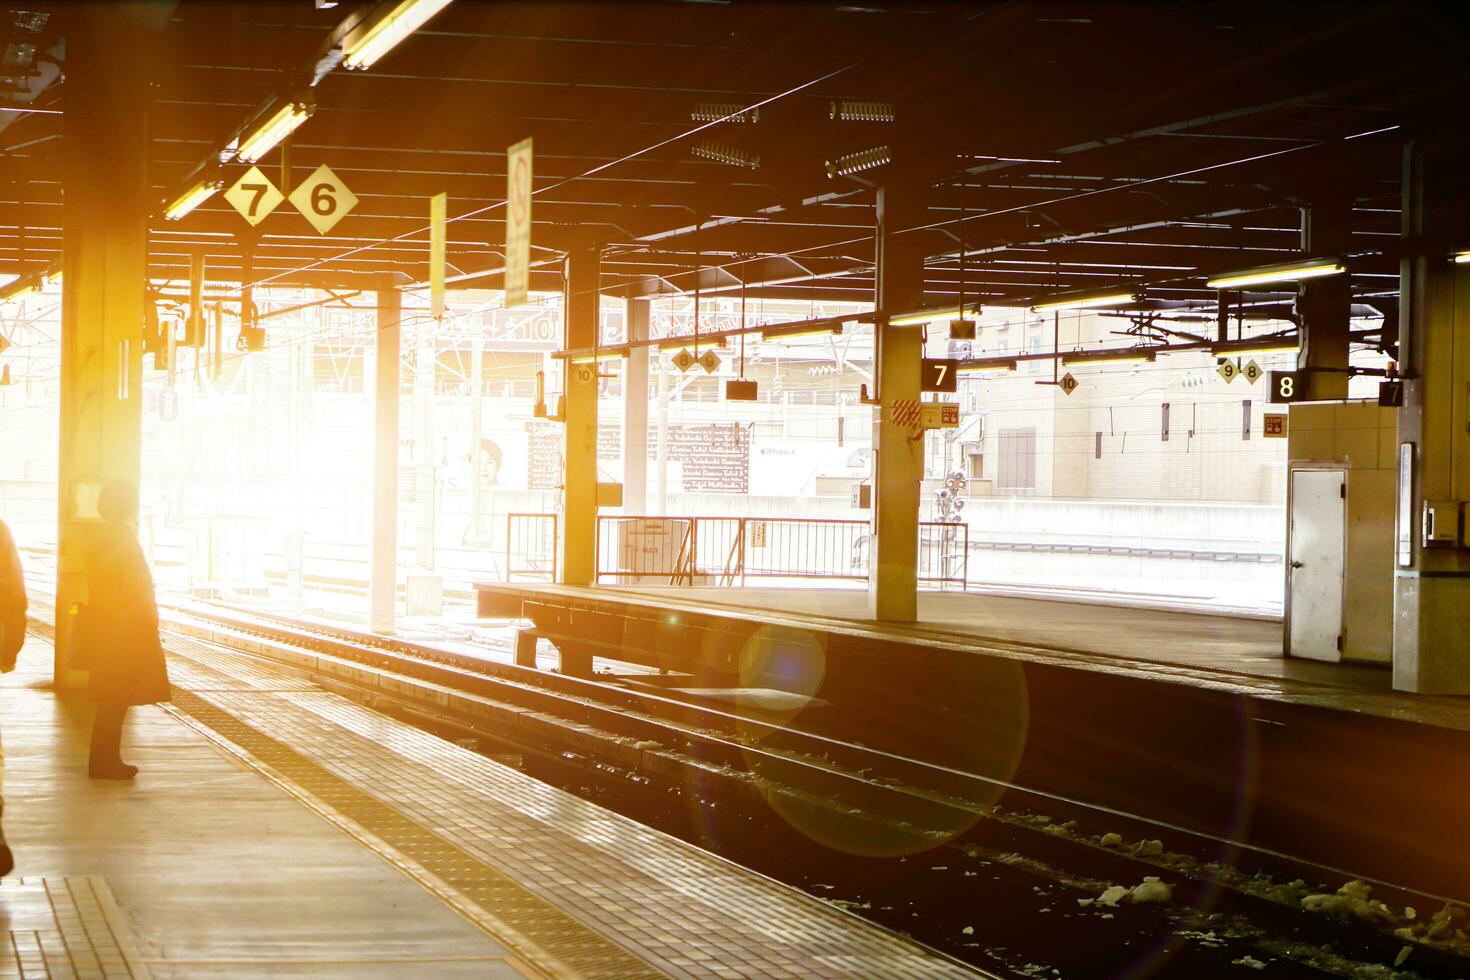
pixel 1225 654
pixel 1326 759
pixel 278 829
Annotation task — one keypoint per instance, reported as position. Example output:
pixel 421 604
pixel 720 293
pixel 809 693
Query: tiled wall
pixel 1362 438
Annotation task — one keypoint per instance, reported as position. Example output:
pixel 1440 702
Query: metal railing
pixel 734 550
pixel 531 546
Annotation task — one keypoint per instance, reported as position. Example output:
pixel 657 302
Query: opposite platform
pixel 441 861
pixel 1238 656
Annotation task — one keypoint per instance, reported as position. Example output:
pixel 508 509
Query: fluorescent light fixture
pixel 1256 345
pixel 916 317
pixel 1287 272
pixel 1087 301
pixel 988 365
pixel 602 355
pixel 1109 356
pixel 792 334
pixel 276 126
pixel 377 35
pixel 1461 258
pixel 196 195
pixel 689 340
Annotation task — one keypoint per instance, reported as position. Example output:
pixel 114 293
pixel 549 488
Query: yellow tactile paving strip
pixel 65 928
pixel 574 888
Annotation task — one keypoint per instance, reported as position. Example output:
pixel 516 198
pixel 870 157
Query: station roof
pixel 1064 146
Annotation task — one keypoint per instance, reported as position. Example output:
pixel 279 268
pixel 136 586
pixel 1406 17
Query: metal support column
pixel 105 264
pixel 1325 305
pixel 579 473
pixel 424 471
pixel 898 458
pixel 1432 583
pixel 635 412
pixel 383 560
pixel 477 535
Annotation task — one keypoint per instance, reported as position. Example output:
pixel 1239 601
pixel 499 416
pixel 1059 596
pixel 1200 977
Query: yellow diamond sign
pixel 710 361
pixel 684 360
pixel 254 196
pixel 323 199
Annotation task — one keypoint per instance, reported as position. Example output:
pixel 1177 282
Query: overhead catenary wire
pixel 567 180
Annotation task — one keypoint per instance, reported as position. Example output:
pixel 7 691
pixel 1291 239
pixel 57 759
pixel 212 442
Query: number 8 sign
pixel 323 199
pixel 1288 386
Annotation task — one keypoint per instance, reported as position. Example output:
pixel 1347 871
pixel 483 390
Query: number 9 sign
pixel 323 199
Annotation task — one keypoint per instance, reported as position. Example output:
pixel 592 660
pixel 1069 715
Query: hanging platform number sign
pixel 323 199
pixel 938 375
pixel 254 196
pixel 1227 370
pixel 1288 386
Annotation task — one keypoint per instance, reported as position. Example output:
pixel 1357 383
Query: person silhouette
pixel 12 637
pixel 126 660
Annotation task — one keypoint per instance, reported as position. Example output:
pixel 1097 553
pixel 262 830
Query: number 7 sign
pixel 938 375
pixel 254 196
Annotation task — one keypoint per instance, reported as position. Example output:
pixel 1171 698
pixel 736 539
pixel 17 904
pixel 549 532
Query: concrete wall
pixel 1362 438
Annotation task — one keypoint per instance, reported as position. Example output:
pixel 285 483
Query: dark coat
pixel 126 662
pixel 12 600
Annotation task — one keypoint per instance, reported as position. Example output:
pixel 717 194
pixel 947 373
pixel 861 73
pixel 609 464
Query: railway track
pixel 917 846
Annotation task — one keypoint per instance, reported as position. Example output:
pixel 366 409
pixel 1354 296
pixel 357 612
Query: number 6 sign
pixel 323 199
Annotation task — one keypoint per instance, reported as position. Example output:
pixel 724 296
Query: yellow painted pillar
pixel 1431 652
pixel 104 266
pixel 383 553
pixel 635 411
pixel 898 458
pixel 579 470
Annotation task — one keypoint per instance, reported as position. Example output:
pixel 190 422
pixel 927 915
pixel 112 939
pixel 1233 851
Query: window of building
pixel 1016 462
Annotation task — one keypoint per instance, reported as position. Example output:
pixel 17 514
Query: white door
pixel 1317 506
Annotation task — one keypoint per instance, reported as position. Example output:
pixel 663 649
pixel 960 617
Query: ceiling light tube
pixel 1256 345
pixel 196 195
pixel 1087 301
pixel 275 126
pixel 1461 258
pixel 988 365
pixel 377 35
pixel 779 335
pixel 1286 272
pixel 1109 356
pixel 917 317
pixel 592 358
